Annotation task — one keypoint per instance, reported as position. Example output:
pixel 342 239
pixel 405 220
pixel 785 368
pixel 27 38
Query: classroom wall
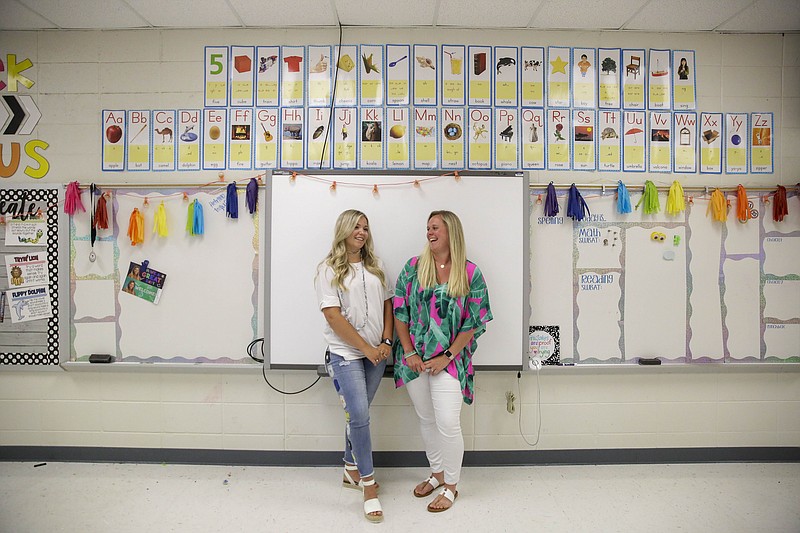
pixel 78 73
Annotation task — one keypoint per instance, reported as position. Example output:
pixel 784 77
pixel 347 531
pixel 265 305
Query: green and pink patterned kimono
pixel 434 320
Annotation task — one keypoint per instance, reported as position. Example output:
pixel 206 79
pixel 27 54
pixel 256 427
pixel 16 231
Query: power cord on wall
pixel 538 405
pixel 264 370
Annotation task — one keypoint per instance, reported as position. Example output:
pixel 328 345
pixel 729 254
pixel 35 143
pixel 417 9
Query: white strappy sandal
pixel 433 482
pixel 372 505
pixel 348 481
pixel 447 493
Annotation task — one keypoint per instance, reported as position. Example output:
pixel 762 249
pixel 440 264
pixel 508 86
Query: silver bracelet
pixel 409 354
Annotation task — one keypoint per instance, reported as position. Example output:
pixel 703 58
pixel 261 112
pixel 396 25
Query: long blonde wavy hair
pixel 337 257
pixel 458 284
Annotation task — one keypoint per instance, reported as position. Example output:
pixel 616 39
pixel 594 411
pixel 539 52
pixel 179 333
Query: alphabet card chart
pixel 164 139
pixel 506 127
pixel 584 74
pixel 371 137
pixel 737 142
pixel 426 127
pixel 684 84
pixel 711 143
pixel 426 73
pixel 479 149
pixel 345 135
pixel 114 127
pixel 372 70
pixel 608 78
pixel 532 76
pixel 214 134
pixel 633 142
pixel 660 80
pixel 453 73
pixel 685 142
pixel 138 142
pixel 480 76
pixel 532 136
pixel 240 152
pixel 346 75
pixel 292 138
pixel 318 137
pixel 609 148
pixel 398 149
pixel 660 142
pixel 761 152
pixel 266 137
pixel 558 139
pixel 558 77
pixel 268 76
pixel 634 79
pixel 189 122
pixel 216 76
pixel 584 139
pixel 453 126
pixel 398 73
pixel 242 76
pixel 506 76
pixel 292 76
pixel 319 76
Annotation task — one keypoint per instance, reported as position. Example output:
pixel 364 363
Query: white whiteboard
pixel 493 209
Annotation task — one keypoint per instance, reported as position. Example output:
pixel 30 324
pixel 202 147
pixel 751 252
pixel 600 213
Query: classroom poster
pixel 240 139
pixel 144 282
pixel 426 126
pixel 398 148
pixel 268 76
pixel 609 147
pixel 371 136
pixel 318 138
pixel 660 80
pixel 558 76
pixel 29 303
pixel 28 268
pixel 344 135
pixel 710 143
pixel 164 139
pixel 216 76
pixel 479 149
pixel 426 72
pixel 506 76
pixel 319 76
pixel 532 137
pixel 558 139
pixel 479 88
pixel 266 138
pixel 608 78
pixel 242 76
pixel 346 75
pixel 685 142
pixel 372 70
pixel 660 126
pixel 189 121
pixel 214 134
pixel 506 138
pixel 684 81
pixel 293 59
pixel 453 75
pixel 633 141
pixel 584 139
pixel 737 142
pixel 584 74
pixel 532 76
pixel 452 137
pixel 761 146
pixel 292 138
pixel 26 231
pixel 633 82
pixel 114 129
pixel 398 74
pixel 138 141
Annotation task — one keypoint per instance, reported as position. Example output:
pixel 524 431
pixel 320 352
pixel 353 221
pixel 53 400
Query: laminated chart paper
pixel 398 149
pixel 634 76
pixel 29 303
pixel 216 76
pixel 398 74
pixel 114 127
pixel 138 140
pixel 609 142
pixel 242 75
pixel 189 131
pixel 372 69
pixel 532 76
pixel 685 142
pixel 711 143
pixel 453 138
pixel 684 81
pixel 584 74
pixel 532 138
pixel 318 76
pixel 267 69
pixel 215 131
pixel 28 268
pixel 737 142
pixel 480 138
pixel 372 136
pixel 506 139
pixel 506 76
pixel 426 126
pixel 240 139
pixel 660 80
pixel 292 139
pixel 293 67
pixel 479 89
pixel 164 139
pixel 26 231
pixel 584 139
pixel 426 72
pixel 318 138
pixel 608 78
pixel 660 141
pixel 345 137
pixel 454 68
pixel 558 76
pixel 558 139
pixel 345 74
pixel 761 143
pixel 267 137
pixel 633 141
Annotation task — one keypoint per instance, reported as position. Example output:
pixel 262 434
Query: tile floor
pixel 135 498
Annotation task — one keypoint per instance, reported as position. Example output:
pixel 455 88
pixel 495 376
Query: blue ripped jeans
pixel 356 383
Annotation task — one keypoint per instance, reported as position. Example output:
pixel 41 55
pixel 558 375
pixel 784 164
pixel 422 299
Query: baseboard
pixel 85 454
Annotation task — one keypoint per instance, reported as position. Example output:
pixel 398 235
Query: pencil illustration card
pixel 268 68
pixel 138 140
pixel 532 76
pixel 532 138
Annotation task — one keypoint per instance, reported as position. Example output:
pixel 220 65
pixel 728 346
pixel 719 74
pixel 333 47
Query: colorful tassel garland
pixel 718 206
pixel 190 217
pixel 675 200
pixel 551 201
pixel 650 199
pixel 72 198
pixel 160 221
pixel 780 208
pixel 623 198
pixel 742 205
pixel 232 201
pixel 136 227
pixel 576 205
pixel 194 224
pixel 251 195
pixel 101 213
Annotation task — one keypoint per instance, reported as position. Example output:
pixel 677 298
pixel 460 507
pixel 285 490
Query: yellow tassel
pixel 675 201
pixel 160 221
pixel 718 206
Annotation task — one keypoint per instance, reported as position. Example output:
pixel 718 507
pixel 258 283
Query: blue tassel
pixel 623 199
pixel 232 201
pixel 251 195
pixel 197 224
pixel 576 206
pixel 551 201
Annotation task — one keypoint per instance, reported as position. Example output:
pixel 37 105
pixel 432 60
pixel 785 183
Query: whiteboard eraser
pixel 101 358
pixel 651 361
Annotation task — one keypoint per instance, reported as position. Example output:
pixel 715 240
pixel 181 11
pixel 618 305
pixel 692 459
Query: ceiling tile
pixel 18 17
pixel 685 15
pixel 767 16
pixel 386 13
pixel 276 13
pixel 487 14
pixel 185 13
pixel 578 14
pixel 86 14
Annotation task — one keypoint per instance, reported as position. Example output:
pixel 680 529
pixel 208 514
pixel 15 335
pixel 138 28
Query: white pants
pixel 437 401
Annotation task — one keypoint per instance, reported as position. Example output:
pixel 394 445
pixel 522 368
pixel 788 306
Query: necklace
pixel 346 310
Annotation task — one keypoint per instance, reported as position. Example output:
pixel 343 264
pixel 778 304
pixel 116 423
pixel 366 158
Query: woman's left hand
pixel 436 364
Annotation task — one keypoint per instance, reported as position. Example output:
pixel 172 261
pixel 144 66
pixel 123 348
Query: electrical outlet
pixel 510 401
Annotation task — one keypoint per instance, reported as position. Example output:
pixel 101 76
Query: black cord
pixel 333 98
pixel 264 370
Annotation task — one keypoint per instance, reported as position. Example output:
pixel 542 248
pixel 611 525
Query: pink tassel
pixel 72 198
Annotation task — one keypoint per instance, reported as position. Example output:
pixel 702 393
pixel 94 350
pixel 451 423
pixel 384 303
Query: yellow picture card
pixel 425 89
pixel 558 153
pixel 480 89
pixel 241 90
pixel 113 154
pixel 138 154
pixel 163 154
pixel 533 90
pixel 268 90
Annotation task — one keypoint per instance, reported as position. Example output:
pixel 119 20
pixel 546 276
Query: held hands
pixel 379 353
pixel 433 365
